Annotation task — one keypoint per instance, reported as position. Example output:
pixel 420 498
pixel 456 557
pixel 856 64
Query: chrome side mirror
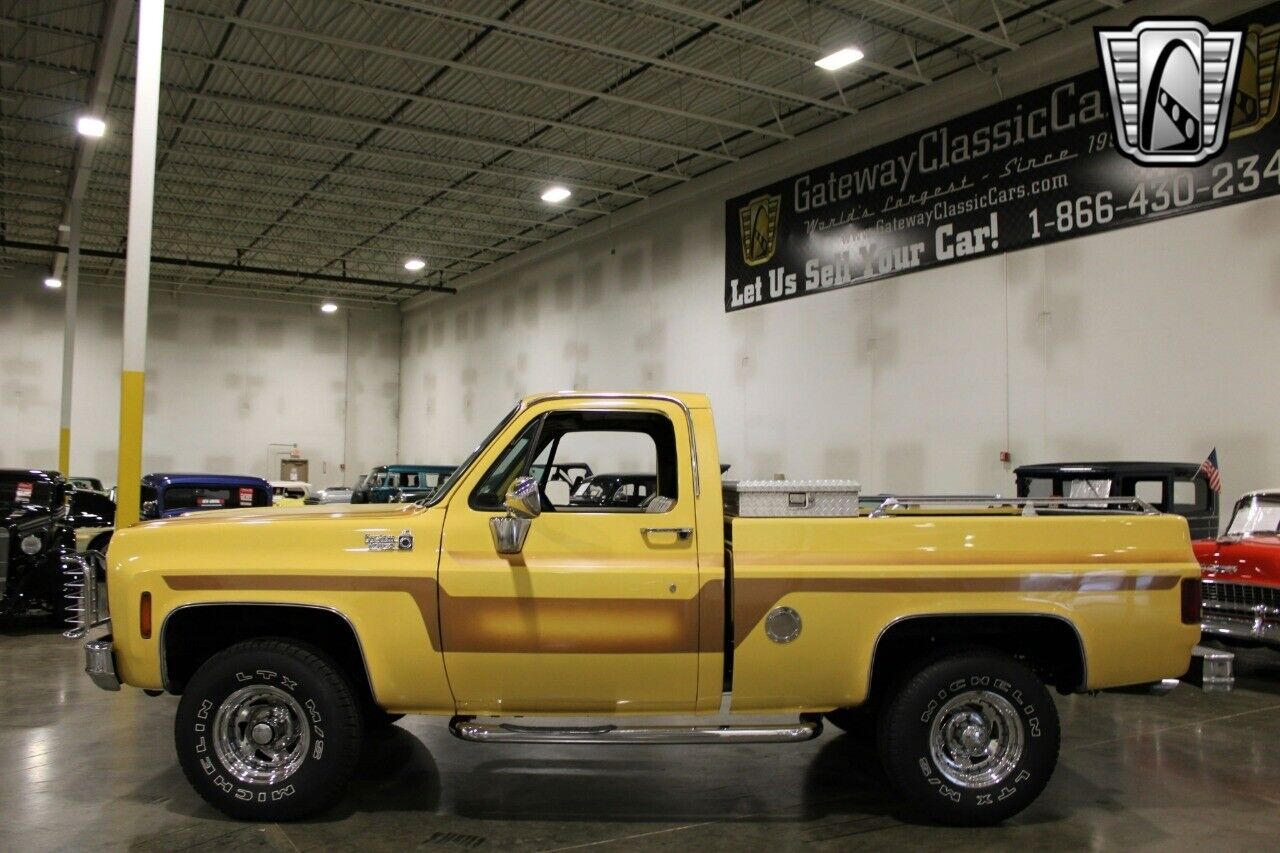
pixel 523 504
pixel 524 499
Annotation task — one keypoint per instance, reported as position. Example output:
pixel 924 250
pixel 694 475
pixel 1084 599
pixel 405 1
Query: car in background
pixel 399 483
pixel 1240 574
pixel 91 514
pixel 614 490
pixel 87 484
pixel 559 484
pixel 1171 487
pixel 34 534
pixel 169 495
pixel 329 495
pixel 289 492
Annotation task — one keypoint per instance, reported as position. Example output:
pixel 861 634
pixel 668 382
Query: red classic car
pixel 1241 573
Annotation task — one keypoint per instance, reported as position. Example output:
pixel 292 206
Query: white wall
pixel 225 378
pixel 1154 342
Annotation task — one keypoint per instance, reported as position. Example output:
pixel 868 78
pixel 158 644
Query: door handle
pixel 680 532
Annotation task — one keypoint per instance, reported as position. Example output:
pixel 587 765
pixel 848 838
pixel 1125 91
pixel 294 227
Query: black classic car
pixel 35 532
pixel 1175 487
pixel 87 484
pixel 620 490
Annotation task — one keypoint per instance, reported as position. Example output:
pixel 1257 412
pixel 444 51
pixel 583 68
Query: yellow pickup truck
pixel 935 630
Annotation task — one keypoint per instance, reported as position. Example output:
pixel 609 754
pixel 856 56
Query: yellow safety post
pixel 137 271
pixel 69 336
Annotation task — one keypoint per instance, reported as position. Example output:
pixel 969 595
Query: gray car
pixel 330 495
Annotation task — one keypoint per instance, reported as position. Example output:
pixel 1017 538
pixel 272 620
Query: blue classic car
pixel 167 495
pixel 399 483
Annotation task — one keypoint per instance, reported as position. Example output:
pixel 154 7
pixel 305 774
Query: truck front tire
pixel 970 738
pixel 268 730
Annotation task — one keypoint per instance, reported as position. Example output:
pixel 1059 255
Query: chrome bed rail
pixel 920 504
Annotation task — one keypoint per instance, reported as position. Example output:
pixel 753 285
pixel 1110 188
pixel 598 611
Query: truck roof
pixel 30 474
pixel 1049 469
pixel 688 399
pixel 1261 493
pixel 157 480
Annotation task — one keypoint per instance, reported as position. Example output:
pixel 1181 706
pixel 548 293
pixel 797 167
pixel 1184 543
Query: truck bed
pixel 1113 577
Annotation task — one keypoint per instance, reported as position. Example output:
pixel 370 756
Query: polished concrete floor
pixel 86 770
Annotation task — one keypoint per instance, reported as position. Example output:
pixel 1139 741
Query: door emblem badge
pixel 387 542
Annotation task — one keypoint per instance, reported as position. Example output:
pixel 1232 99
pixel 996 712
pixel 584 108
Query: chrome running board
pixel 468 728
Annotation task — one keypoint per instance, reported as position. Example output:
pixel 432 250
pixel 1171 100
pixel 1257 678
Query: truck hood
pixel 374 513
pixel 17 515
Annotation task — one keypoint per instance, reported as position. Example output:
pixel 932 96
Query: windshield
pixel 447 485
pixel 1258 514
pixel 1088 489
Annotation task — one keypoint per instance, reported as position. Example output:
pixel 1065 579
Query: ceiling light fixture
pixel 415 264
pixel 329 307
pixel 53 283
pixel 90 126
pixel 839 59
pixel 556 194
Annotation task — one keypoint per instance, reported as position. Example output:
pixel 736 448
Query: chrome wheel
pixel 976 739
pixel 261 735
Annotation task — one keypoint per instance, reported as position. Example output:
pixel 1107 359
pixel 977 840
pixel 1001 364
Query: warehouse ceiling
pixel 308 148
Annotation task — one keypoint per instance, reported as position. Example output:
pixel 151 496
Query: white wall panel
pixel 225 378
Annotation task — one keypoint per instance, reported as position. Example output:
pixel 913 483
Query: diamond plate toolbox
pixel 791 498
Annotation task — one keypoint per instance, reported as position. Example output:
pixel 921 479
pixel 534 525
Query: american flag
pixel 1209 467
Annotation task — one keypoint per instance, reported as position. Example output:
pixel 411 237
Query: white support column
pixel 72 290
pixel 137 271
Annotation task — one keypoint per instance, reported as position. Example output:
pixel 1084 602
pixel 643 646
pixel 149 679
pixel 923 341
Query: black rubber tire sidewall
pixel 904 730
pixel 317 685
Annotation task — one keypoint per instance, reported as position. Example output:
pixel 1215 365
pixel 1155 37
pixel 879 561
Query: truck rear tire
pixel 970 738
pixel 268 730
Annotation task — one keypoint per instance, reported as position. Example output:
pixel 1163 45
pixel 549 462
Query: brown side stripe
pixel 753 597
pixel 422 590
pixel 637 625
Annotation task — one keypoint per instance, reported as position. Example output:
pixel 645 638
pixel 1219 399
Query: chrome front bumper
pixel 1257 624
pixel 100 663
pixel 1212 670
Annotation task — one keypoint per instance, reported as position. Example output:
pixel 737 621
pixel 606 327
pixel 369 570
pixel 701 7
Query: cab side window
pixel 638 445
pixel 1190 495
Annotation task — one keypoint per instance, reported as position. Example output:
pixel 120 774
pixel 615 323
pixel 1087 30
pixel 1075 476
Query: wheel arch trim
pixel 164 629
pixel 914 617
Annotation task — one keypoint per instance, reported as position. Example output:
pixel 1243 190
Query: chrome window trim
pixel 1084 656
pixel 164 627
pixel 615 396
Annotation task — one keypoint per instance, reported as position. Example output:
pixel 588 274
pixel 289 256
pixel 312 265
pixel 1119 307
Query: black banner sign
pixel 1031 170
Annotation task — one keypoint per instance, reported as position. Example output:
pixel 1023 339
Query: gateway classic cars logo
pixel 1172 86
pixel 1255 102
pixel 758 222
